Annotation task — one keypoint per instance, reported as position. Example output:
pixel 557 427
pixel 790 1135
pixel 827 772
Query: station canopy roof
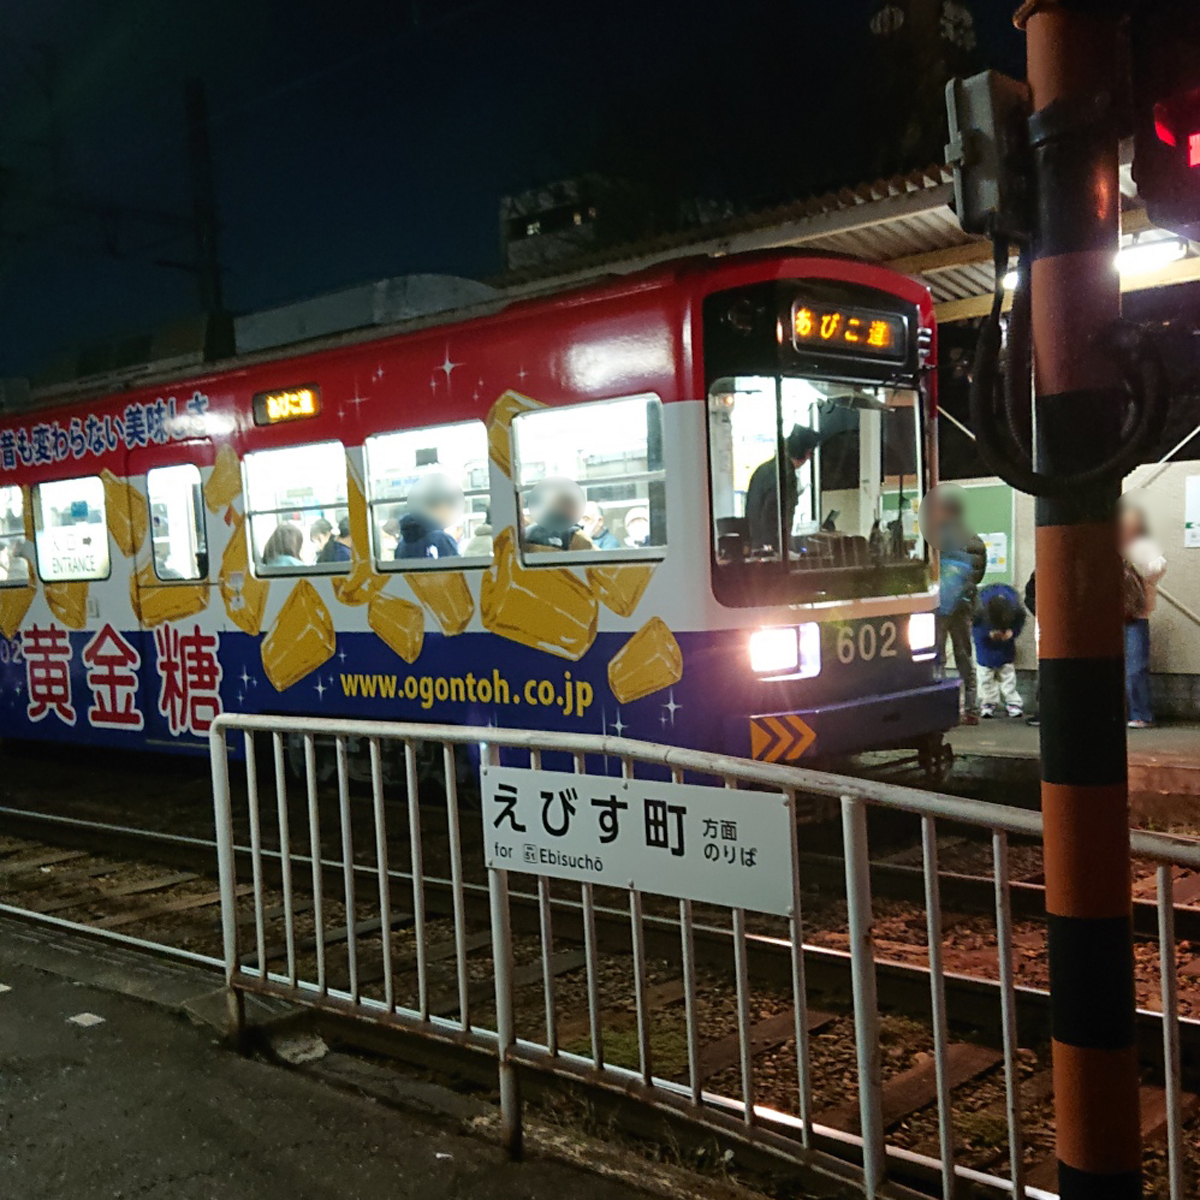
pixel 907 222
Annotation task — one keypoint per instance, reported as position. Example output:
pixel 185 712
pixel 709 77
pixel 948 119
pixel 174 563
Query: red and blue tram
pixel 677 505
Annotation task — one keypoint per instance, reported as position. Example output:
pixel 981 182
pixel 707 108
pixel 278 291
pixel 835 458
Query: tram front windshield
pixel 816 485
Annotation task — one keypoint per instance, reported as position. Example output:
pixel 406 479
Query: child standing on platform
pixel 999 619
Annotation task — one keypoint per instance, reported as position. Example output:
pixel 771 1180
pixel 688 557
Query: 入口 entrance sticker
pixel 709 844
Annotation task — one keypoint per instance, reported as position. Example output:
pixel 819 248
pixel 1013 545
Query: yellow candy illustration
pixel 649 661
pixel 360 585
pixel 446 595
pixel 128 517
pixel 155 602
pixel 549 608
pixel 356 502
pixel 400 624
pixel 499 427
pixel 620 588
pixel 225 482
pixel 27 511
pixel 68 602
pixel 14 604
pixel 301 640
pixel 245 597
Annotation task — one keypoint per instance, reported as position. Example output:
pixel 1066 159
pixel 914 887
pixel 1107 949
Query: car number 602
pixel 866 642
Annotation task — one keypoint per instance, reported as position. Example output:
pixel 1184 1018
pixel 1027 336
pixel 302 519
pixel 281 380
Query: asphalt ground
pixel 103 1095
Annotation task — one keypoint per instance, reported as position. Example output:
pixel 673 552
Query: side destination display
pixel 709 844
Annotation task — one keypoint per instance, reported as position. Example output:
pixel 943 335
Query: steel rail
pixel 904 987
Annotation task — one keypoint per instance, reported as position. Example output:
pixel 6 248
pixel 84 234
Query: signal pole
pixel 1073 73
pixel 204 202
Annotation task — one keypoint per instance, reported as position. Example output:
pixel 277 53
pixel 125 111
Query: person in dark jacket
pixel 556 509
pixel 337 549
pixel 998 621
pixel 763 510
pixel 963 561
pixel 1031 604
pixel 434 502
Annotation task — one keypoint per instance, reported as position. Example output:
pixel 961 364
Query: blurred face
pixel 593 520
pixel 1130 525
pixel 444 514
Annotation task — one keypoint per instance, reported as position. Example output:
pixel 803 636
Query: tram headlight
pixel 922 636
pixel 787 650
pixel 775 651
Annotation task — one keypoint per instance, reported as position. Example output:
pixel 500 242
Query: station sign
pixel 709 844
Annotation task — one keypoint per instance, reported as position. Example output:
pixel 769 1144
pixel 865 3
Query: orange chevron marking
pixel 779 739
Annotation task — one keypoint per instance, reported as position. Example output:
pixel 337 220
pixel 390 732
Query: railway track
pixel 182 881
pixel 146 885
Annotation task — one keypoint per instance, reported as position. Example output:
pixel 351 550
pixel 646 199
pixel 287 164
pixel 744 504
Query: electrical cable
pixel 1004 448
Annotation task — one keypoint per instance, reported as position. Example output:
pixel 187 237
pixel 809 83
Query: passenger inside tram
pixel 389 537
pixel 595 526
pixel 319 533
pixel 479 544
pixel 338 548
pixel 591 479
pixel 435 503
pixel 284 546
pixel 556 508
pixel 637 527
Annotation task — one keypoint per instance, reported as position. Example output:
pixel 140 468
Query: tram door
pixel 171 591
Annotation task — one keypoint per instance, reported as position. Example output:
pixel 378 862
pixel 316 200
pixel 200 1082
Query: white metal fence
pixel 386 911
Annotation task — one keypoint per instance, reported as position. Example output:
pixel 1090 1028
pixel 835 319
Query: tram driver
pixel 763 510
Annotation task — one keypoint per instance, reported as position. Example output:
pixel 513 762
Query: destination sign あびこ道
pixel 849 331
pixel 289 404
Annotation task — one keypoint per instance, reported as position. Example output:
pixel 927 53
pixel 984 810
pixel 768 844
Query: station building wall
pixel 1174 636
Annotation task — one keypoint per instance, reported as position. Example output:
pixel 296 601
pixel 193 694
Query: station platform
pixel 109 1091
pixel 1164 761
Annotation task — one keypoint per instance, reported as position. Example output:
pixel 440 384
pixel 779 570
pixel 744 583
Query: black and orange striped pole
pixel 1073 73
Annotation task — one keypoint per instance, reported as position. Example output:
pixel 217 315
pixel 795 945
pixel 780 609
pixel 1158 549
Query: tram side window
pixel 177 531
pixel 591 479
pixel 428 494
pixel 14 549
pixel 70 529
pixel 297 509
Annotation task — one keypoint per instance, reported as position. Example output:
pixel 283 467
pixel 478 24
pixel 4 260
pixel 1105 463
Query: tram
pixel 677 505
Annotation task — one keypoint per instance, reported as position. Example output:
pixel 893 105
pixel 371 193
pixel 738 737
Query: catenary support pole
pixel 1073 73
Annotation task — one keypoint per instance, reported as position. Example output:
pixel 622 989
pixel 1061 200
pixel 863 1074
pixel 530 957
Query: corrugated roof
pixel 907 221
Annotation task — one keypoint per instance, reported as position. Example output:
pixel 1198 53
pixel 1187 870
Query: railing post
pixel 502 965
pixel 866 1004
pixel 227 881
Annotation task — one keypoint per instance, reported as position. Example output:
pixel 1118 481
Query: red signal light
pixel 1194 150
pixel 1162 125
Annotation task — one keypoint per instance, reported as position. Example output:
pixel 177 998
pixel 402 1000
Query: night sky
pixel 365 139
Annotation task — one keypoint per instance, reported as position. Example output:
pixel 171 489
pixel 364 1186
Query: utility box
pixel 989 152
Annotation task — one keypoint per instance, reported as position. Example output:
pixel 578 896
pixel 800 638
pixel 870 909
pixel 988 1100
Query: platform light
pixel 922 636
pixel 1143 257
